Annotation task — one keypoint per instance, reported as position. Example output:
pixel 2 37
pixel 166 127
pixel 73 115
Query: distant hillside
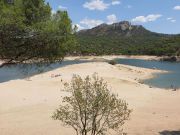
pixel 124 38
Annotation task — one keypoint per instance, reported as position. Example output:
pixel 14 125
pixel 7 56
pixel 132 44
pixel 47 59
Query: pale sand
pixel 1 62
pixel 111 57
pixel 26 106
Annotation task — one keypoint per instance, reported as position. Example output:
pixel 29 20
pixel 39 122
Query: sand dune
pixel 26 106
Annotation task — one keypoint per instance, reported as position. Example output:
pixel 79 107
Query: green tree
pixel 36 11
pixel 91 109
pixel 29 32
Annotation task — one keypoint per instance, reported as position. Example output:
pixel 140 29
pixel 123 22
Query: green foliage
pixel 90 108
pixel 107 40
pixel 36 11
pixel 112 62
pixel 11 14
pixel 29 32
pixel 128 45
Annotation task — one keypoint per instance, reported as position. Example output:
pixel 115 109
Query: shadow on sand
pixel 165 132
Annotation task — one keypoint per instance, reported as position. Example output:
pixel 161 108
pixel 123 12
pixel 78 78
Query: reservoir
pixel 22 71
pixel 160 80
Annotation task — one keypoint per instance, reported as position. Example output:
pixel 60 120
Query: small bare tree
pixel 91 109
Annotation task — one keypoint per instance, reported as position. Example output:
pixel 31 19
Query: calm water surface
pixel 161 80
pixel 17 71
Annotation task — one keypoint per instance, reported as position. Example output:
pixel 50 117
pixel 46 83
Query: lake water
pixel 161 80
pixel 22 71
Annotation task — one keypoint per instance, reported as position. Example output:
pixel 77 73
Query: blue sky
pixel 161 16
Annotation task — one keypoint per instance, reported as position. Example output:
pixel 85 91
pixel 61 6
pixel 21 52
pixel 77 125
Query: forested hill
pixel 124 38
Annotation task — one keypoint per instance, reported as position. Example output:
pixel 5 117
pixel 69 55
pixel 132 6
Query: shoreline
pixel 148 74
pixel 37 98
pixel 111 57
pixel 107 58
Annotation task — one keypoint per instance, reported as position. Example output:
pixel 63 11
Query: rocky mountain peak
pixel 124 25
pixel 120 28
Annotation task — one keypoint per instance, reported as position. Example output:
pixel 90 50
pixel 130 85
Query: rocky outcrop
pixel 170 58
pixel 123 28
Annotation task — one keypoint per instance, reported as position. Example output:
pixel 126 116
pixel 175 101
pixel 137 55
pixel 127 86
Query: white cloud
pixel 115 2
pixel 111 19
pixel 91 22
pixel 177 7
pixel 96 5
pixel 62 7
pixel 171 19
pixel 144 19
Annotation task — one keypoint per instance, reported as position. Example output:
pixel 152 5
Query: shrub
pixel 91 108
pixel 112 62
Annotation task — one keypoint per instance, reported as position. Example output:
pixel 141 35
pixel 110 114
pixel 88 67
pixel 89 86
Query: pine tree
pixel 29 32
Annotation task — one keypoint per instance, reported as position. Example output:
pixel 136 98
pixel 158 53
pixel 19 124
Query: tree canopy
pixel 90 108
pixel 30 32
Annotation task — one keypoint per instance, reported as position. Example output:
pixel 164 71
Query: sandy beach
pixel 26 105
pixel 111 57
